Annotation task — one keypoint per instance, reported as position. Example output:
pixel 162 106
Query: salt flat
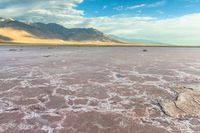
pixel 94 89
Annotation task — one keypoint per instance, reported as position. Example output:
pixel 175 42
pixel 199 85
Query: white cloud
pixel 157 4
pixel 135 7
pixel 139 6
pixel 104 7
pixel 183 30
pixel 58 11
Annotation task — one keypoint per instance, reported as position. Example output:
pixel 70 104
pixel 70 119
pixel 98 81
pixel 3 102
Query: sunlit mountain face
pixel 170 22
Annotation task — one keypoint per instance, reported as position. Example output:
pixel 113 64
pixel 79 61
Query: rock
pixel 169 108
pixel 12 49
pixel 46 56
pixel 13 109
pixel 187 103
pixel 144 50
pixel 37 108
pixel 50 47
pixel 120 76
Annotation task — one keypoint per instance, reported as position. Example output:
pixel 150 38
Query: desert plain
pixel 60 89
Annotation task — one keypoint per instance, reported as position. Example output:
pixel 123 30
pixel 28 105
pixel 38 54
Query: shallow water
pixel 93 89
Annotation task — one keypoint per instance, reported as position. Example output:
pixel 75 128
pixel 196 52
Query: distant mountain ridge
pixel 14 32
pixel 143 41
pixel 5 38
pixel 55 31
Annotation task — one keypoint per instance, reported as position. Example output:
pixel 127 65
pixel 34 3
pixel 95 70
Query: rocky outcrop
pixel 186 104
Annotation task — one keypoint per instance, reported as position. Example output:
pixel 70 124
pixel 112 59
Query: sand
pixel 20 37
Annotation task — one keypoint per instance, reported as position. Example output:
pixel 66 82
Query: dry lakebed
pixel 99 90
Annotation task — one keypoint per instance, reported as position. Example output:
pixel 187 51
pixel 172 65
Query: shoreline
pixel 93 45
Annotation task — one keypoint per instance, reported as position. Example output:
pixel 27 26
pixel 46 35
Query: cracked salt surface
pixel 88 89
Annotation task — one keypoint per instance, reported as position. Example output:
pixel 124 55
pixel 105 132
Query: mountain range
pixel 13 31
pixel 138 41
pixel 17 32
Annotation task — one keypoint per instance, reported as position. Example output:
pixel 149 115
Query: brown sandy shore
pixel 60 89
pixel 81 43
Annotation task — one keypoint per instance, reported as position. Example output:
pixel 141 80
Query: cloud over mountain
pixel 59 11
pixel 184 30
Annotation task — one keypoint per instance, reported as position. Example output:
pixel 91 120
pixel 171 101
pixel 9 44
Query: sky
pixel 175 22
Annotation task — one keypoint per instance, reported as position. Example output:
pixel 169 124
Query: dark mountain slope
pixel 3 38
pixel 55 31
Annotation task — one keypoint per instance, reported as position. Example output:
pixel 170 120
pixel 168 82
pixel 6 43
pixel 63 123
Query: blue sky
pixel 174 22
pixel 154 8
